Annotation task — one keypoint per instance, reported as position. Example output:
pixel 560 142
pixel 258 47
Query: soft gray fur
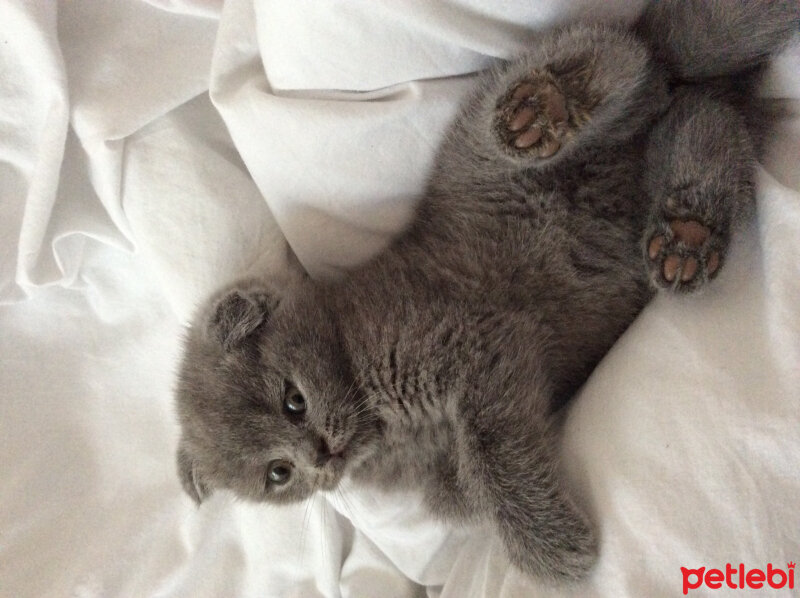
pixel 579 179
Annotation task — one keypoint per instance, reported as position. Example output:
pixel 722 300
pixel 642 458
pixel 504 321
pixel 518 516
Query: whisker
pixel 325 508
pixel 305 524
pixel 345 503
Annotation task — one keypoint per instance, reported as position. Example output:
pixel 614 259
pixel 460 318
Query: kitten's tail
pixel 703 39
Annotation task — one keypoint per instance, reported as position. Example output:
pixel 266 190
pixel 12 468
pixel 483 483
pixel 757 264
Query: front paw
pixel 682 254
pixel 562 549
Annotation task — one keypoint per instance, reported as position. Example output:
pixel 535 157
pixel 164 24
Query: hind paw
pixel 532 117
pixel 682 254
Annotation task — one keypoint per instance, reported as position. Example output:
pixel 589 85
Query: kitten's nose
pixel 323 453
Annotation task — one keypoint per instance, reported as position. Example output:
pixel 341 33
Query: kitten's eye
pixel 293 401
pixel 279 471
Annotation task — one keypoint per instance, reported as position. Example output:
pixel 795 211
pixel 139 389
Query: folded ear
pixel 238 311
pixel 190 478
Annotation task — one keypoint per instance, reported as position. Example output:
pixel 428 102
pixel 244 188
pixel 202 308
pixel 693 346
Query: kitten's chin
pixel 330 484
pixel 333 472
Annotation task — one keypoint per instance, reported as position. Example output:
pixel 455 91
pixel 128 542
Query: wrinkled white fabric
pixel 151 150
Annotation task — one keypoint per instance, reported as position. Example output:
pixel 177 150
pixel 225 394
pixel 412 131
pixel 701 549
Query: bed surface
pixel 152 150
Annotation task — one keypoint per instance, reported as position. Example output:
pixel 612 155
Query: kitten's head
pixel 267 401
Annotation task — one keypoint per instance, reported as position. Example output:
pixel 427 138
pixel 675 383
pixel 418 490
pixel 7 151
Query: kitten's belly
pixel 587 293
pixel 576 266
pixel 572 263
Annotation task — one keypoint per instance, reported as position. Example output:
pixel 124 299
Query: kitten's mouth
pixel 337 463
pixel 333 471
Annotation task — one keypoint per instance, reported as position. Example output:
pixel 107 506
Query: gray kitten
pixel 603 165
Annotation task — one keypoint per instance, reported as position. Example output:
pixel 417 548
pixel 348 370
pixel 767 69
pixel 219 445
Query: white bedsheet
pixel 152 150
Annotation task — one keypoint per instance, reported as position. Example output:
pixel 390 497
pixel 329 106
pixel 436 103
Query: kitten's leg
pixel 580 87
pixel 509 466
pixel 700 166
